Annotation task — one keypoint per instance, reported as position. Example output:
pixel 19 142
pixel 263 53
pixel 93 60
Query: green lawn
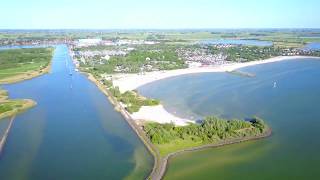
pixel 176 145
pixel 21 61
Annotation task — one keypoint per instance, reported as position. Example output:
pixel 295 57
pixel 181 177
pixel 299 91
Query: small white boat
pixel 70 72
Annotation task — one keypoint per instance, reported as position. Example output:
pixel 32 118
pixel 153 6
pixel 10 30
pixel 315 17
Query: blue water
pixel 313 46
pixel 291 108
pixel 238 42
pixel 72 133
pixel 24 46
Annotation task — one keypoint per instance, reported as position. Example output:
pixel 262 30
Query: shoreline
pixel 135 127
pixel 28 75
pixel 128 82
pixel 161 163
pixel 28 103
pixel 158 114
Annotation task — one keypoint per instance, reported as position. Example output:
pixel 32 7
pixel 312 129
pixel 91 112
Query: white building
pixel 192 64
pixel 106 57
pixel 88 42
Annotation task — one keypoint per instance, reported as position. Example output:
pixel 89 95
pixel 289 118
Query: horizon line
pixel 241 28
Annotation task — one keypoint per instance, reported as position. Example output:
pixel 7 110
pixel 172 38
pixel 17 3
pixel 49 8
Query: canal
pixel 72 133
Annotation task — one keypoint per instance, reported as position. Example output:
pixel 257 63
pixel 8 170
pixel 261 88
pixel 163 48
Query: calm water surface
pixel 313 46
pixel 23 46
pixel 291 108
pixel 73 132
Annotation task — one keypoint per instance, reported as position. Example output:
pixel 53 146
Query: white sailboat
pixel 70 71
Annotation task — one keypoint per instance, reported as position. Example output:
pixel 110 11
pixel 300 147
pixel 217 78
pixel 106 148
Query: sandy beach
pixel 127 82
pixel 158 114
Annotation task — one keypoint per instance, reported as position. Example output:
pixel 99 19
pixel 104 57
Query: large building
pixel 88 42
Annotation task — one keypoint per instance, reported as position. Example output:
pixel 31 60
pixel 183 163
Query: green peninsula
pixel 213 131
pixel 11 107
pixel 21 64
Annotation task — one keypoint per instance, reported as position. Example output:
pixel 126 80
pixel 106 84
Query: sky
pixel 160 14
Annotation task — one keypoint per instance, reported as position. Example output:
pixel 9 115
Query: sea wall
pixel 5 135
pixel 155 173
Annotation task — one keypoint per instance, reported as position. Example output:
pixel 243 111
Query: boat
pixel 70 72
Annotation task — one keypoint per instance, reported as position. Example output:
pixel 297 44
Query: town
pixel 138 56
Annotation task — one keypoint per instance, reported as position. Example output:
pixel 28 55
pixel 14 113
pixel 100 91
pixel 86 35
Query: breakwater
pixel 5 135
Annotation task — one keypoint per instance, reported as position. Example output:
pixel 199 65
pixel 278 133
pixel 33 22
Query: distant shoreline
pixel 127 82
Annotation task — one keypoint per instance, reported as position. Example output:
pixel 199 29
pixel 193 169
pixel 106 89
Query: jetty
pixel 5 135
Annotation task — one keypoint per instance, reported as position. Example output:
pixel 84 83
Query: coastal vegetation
pixel 133 58
pixel 11 107
pixel 103 61
pixel 247 53
pixel 167 137
pixel 142 59
pixel 132 100
pixel 212 130
pixel 20 64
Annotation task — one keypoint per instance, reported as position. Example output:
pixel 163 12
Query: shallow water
pixel 72 133
pixel 291 108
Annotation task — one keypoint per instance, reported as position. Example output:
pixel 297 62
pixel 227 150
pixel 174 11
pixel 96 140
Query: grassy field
pixel 11 107
pixel 177 145
pixel 20 64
